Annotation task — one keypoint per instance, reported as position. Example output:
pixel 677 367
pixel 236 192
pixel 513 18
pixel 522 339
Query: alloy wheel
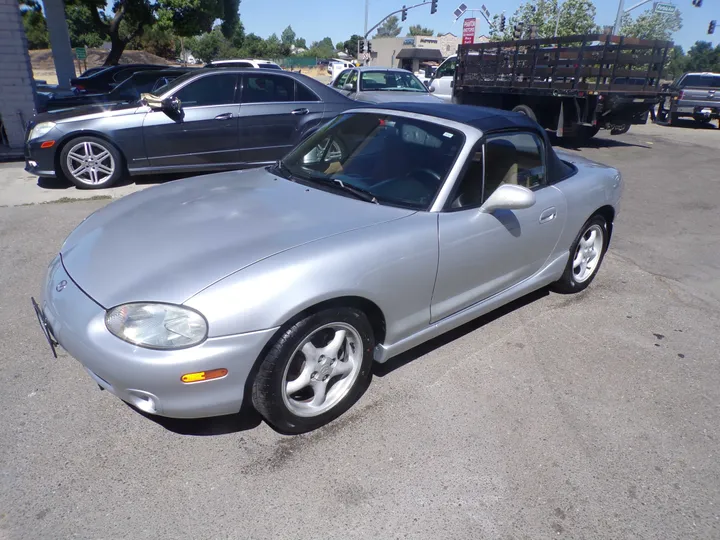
pixel 588 253
pixel 90 163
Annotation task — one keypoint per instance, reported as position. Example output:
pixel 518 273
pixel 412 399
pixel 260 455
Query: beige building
pixel 412 51
pixel 415 52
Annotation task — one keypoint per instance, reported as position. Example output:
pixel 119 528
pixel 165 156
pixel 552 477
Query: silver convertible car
pixel 279 286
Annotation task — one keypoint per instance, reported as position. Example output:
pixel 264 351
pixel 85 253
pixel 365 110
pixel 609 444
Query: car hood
pixel 87 112
pixel 169 242
pixel 388 96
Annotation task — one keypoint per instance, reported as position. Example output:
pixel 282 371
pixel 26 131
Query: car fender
pixel 391 264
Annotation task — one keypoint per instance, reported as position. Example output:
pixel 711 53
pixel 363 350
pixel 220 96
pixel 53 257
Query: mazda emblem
pixel 60 286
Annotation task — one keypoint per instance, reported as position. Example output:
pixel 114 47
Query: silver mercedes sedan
pixel 278 287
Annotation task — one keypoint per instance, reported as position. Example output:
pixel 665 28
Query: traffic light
pixel 369 47
pixel 404 13
pixel 433 6
pixel 362 46
pixel 518 30
pixel 711 28
pixel 697 3
pixel 502 22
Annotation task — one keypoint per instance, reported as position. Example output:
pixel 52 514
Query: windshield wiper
pixel 359 193
pixel 282 170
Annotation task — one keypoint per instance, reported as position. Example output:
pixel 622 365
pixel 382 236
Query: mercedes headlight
pixel 157 326
pixel 41 129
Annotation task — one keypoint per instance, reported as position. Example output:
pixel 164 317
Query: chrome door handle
pixel 300 111
pixel 548 215
pixel 226 116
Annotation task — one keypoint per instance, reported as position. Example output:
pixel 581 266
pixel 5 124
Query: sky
pixel 339 19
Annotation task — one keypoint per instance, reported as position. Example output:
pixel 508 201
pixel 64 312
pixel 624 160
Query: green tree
pixel 156 40
pixel 274 47
pixel 300 43
pixel 576 17
pixel 288 36
pixel 81 29
pixel 254 47
pixel 322 49
pixel 130 18
pixel 207 47
pixel 651 25
pixel 702 57
pixel 35 25
pixel 238 36
pixel 419 30
pixel 389 28
pixel 676 64
pixel 351 45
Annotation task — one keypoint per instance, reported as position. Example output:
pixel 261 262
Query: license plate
pixel 638 100
pixel 685 109
pixel 45 327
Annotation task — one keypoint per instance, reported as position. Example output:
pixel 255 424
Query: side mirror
pixel 431 89
pixel 171 104
pixel 509 197
pixel 428 72
pixel 349 87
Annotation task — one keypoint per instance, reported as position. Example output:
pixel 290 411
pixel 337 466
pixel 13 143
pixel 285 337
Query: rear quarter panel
pixel 591 188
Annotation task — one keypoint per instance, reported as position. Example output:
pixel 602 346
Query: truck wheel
pixel 673 118
pixel 527 111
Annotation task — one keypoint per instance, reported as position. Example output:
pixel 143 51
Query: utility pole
pixel 367 7
pixel 618 18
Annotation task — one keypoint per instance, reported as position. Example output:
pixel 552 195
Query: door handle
pixel 300 111
pixel 226 116
pixel 548 215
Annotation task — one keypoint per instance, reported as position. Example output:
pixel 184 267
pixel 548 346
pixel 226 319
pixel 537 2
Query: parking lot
pixel 588 416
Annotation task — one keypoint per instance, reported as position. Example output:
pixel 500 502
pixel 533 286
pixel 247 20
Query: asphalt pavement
pixel 587 416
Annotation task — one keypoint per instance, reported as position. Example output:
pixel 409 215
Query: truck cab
pixel 441 84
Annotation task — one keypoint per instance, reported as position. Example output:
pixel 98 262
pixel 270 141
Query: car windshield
pixel 702 81
pixel 390 159
pixel 172 84
pixel 398 81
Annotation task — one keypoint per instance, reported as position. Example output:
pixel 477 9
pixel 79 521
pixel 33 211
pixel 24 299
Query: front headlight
pixel 157 326
pixel 41 129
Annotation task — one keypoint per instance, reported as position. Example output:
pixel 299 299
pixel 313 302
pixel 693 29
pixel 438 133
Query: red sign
pixel 468 35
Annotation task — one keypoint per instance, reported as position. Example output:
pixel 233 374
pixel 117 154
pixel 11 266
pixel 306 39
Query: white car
pixel 441 83
pixel 335 67
pixel 244 62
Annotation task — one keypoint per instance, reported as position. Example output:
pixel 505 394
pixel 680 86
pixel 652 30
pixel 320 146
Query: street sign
pixel 664 7
pixel 80 53
pixel 468 35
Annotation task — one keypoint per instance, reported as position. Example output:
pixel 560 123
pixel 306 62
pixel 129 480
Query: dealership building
pixel 412 52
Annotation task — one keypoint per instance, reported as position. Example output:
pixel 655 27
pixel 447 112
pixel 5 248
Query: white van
pixel 441 84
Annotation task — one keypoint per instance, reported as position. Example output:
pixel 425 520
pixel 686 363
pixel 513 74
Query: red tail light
pixel 682 94
pixel 79 87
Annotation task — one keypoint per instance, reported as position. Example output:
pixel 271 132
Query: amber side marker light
pixel 47 144
pixel 204 375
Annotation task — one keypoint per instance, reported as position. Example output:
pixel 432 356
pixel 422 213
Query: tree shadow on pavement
pixel 246 419
pixel 380 370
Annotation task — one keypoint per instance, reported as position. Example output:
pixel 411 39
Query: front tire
pixel 586 256
pixel 315 371
pixel 91 163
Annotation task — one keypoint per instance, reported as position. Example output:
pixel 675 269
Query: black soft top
pixel 489 120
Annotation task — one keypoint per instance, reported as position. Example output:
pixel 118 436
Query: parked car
pixel 382 85
pixel 440 81
pixel 335 67
pixel 693 95
pixel 127 91
pixel 92 70
pixel 279 286
pixel 106 79
pixel 207 119
pixel 244 63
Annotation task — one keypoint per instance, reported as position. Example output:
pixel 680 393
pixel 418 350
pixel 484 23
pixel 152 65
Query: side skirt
pixel 551 273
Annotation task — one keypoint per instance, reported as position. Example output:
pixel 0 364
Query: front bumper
pixel 146 378
pixel 40 161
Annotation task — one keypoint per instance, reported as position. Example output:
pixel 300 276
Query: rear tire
pixel 527 111
pixel 315 371
pixel 91 163
pixel 586 256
